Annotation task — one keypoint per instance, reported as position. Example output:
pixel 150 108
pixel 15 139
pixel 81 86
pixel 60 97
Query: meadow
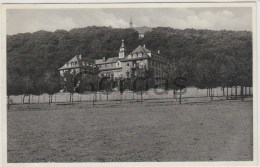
pixel 155 130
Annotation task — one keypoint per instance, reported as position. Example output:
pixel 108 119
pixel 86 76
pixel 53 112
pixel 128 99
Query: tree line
pixel 206 58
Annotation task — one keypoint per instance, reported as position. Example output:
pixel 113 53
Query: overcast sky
pixel 24 20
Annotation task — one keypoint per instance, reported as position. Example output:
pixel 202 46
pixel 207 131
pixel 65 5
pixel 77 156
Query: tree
pixel 39 87
pixel 106 84
pixel 14 84
pixel 69 84
pixel 197 53
pixel 85 82
pixel 27 87
pixel 140 85
pixel 170 70
pixel 52 84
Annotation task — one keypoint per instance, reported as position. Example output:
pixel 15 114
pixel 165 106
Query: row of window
pixel 106 65
pixel 78 69
pixel 158 73
pixel 135 55
pixel 157 57
pixel 73 63
pixel 151 63
pixel 74 71
pixel 155 63
pixel 88 64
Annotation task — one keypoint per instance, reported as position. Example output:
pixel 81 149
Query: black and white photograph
pixel 157 82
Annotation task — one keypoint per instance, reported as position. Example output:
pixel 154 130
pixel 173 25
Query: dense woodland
pixel 206 58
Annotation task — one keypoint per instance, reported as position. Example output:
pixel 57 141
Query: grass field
pixel 155 130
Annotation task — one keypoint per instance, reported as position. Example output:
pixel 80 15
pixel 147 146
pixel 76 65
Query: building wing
pixel 106 61
pixel 75 62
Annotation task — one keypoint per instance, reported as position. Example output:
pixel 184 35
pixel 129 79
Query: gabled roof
pixel 75 58
pixel 137 50
pixel 79 60
pixel 140 49
pixel 108 60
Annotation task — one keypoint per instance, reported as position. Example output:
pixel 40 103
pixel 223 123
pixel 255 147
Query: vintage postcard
pixel 130 84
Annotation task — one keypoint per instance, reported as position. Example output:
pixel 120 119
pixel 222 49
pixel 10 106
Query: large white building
pixel 77 64
pixel 123 65
pixel 128 65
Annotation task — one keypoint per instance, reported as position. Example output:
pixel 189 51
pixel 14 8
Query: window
pixel 118 63
pixel 71 63
pixel 105 65
pixel 127 64
pixel 75 63
pixel 112 65
pixel 67 64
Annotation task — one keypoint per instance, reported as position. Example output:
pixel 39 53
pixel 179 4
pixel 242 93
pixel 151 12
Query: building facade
pixel 130 65
pixel 77 64
pixel 124 65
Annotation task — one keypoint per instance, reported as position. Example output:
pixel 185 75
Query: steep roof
pixel 108 60
pixel 75 58
pixel 80 64
pixel 140 49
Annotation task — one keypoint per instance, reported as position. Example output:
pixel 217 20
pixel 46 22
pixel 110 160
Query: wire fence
pixel 190 92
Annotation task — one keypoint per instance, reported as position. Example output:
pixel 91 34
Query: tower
pixel 131 23
pixel 122 50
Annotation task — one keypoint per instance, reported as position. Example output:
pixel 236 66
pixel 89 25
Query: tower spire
pixel 131 23
pixel 122 50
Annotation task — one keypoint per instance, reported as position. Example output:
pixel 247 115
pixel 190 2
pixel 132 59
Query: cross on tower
pixel 131 23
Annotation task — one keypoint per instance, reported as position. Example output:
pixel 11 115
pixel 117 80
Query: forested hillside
pixel 206 58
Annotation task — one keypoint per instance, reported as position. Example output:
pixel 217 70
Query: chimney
pixel 104 59
pixel 158 51
pixel 144 46
pixel 79 56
